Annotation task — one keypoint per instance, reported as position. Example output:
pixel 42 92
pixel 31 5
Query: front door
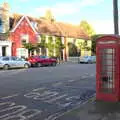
pixel 4 51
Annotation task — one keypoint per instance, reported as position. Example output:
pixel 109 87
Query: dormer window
pixel 34 25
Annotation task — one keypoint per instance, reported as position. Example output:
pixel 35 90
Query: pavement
pixel 94 110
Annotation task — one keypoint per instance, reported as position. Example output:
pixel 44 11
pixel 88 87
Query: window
pixel 6 59
pixel 23 41
pixel 14 58
pixel 24 38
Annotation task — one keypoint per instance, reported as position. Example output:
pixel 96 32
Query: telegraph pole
pixel 115 14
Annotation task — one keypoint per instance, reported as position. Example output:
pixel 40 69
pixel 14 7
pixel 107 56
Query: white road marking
pixel 47 97
pixel 56 98
pixel 8 97
pixel 15 117
pixel 7 103
pixel 10 111
pixel 32 94
pixel 19 108
pixel 71 80
pixel 37 89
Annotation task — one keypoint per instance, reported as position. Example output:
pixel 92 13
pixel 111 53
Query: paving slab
pixel 94 110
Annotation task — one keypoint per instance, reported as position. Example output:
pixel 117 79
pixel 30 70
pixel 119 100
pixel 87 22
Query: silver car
pixel 87 59
pixel 7 62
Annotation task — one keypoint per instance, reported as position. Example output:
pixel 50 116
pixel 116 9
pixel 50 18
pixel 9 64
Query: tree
pixel 49 16
pixel 83 46
pixel 59 47
pixel 50 46
pixel 30 47
pixel 42 44
pixel 72 49
pixel 87 28
pixel 93 38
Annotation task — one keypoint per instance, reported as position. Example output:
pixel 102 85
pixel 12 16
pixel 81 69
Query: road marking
pixel 14 117
pixel 71 80
pixel 11 110
pixel 30 113
pixel 8 97
pixel 56 98
pixel 32 94
pixel 47 97
pixel 37 89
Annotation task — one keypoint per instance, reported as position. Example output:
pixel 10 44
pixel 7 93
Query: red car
pixel 42 61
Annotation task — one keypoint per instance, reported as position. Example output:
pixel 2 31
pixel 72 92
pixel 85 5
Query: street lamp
pixel 115 14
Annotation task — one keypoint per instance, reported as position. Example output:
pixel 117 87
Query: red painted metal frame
pixel 115 95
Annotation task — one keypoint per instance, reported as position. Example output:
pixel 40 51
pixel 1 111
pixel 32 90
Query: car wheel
pixel 54 64
pixel 89 62
pixel 6 67
pixel 26 66
pixel 39 65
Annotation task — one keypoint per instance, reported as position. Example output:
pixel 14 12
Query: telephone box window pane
pixel 107 69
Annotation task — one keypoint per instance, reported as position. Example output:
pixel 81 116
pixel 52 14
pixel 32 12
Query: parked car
pixel 42 61
pixel 8 62
pixel 94 59
pixel 87 59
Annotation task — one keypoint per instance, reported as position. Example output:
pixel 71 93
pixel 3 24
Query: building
pixel 5 43
pixel 25 29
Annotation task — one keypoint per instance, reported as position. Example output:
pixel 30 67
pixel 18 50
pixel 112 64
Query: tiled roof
pixel 70 30
pixel 44 26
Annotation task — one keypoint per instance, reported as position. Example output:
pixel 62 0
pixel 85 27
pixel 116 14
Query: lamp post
pixel 115 14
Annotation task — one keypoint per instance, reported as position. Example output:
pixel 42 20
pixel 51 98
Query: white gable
pixel 24 17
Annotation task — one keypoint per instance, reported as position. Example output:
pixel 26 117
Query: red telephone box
pixel 108 68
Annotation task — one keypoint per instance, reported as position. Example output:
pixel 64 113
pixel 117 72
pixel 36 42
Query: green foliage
pixel 59 47
pixel 93 38
pixel 50 46
pixel 42 44
pixel 72 49
pixel 84 25
pixel 49 16
pixel 30 47
pixel 84 46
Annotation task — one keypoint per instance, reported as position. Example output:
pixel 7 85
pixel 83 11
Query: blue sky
pixel 98 13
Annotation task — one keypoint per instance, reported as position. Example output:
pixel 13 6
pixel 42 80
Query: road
pixel 45 93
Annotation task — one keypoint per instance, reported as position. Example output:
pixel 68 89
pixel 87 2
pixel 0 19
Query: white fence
pixel 73 59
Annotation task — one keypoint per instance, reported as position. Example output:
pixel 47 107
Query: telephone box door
pixel 107 81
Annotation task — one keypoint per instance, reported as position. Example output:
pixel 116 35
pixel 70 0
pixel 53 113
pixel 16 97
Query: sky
pixel 98 13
